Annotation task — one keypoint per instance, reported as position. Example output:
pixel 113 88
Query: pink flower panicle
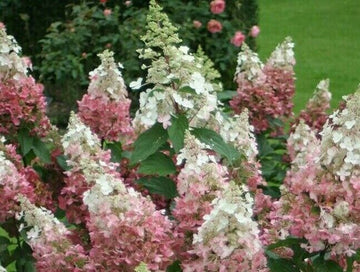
pixel 12 183
pixel 106 107
pixel 315 114
pixel 200 181
pixel 21 98
pixel 124 227
pixel 49 240
pixel 266 91
pixel 324 184
pixel 228 240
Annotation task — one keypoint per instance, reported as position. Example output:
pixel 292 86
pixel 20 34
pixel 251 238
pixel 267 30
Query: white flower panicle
pixel 238 131
pixel 179 85
pixel 301 143
pixel 340 144
pixel 198 162
pixel 249 65
pixel 321 94
pixel 80 136
pixel 2 269
pixel 106 80
pixel 231 218
pixel 11 64
pixel 283 56
pixel 45 224
pixel 6 167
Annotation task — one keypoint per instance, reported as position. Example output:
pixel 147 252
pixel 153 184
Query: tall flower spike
pixel 105 108
pixel 49 240
pixel 249 67
pixel 172 71
pixel 156 20
pixel 200 181
pixel 315 114
pixel 11 64
pixel 340 144
pixel 283 56
pixel 21 98
pixel 12 183
pixel 228 240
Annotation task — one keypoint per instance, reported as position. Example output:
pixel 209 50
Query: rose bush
pixel 187 184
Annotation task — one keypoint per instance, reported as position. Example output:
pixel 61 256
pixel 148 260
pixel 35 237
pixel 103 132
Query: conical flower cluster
pixel 105 108
pixel 265 90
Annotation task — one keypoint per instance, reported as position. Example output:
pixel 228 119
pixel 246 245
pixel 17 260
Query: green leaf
pixel 174 267
pixel 159 185
pixel 157 163
pixel 116 150
pixel 216 142
pixel 25 141
pixel 322 265
pixel 4 242
pixel 177 131
pixel 187 89
pixel 282 265
pixel 61 160
pixel 226 95
pixel 148 143
pixel 41 150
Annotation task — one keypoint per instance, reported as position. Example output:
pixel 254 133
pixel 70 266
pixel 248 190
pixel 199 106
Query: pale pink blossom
pixel 214 26
pixel 254 31
pixel 197 24
pixel 217 6
pixel 127 3
pixel 238 38
pixel 107 12
pixel 2 25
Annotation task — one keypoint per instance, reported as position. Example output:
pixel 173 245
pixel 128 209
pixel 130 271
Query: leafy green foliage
pixel 116 150
pixel 148 143
pixel 174 267
pixel 272 151
pixel 157 164
pixel 177 131
pixel 216 142
pixel 159 185
pixel 33 144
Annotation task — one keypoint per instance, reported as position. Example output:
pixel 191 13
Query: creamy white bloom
pixel 249 65
pixel 106 79
pixel 135 85
pixel 231 217
pixel 340 143
pixel 80 136
pixel 283 56
pixel 11 64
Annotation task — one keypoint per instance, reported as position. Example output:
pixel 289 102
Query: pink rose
pixel 217 6
pixel 197 24
pixel 107 12
pixel 214 26
pixel 103 1
pixel 238 38
pixel 254 31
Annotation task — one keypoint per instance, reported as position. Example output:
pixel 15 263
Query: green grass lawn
pixel 327 42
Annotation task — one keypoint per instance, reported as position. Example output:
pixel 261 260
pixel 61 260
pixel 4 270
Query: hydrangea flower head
pixel 315 114
pixel 105 108
pixel 283 56
pixel 227 233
